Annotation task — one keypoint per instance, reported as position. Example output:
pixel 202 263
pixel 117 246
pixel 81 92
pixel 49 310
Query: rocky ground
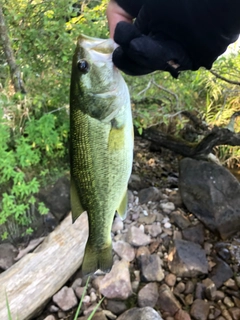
pixel 167 264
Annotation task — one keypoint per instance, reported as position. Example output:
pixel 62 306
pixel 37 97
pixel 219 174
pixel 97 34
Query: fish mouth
pixel 98 45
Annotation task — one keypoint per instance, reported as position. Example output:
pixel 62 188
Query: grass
pixel 80 304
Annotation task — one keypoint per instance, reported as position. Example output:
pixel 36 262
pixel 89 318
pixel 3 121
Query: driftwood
pixel 201 150
pixel 32 281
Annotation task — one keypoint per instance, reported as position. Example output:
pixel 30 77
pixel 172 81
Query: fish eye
pixel 83 66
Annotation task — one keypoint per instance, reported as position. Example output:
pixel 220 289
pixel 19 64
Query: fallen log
pixel 32 281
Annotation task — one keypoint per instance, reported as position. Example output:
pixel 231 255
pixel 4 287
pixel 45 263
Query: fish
pixel 101 146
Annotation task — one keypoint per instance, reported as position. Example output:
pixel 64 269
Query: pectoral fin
pixel 76 206
pixel 122 209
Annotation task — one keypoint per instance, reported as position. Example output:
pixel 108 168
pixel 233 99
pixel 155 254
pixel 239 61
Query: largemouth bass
pixel 101 146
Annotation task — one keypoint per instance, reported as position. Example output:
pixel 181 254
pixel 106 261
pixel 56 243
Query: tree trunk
pixel 31 282
pixel 8 52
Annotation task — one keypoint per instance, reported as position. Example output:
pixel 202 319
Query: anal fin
pixel 122 209
pixel 76 206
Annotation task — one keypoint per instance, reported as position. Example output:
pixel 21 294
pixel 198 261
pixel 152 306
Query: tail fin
pixel 97 259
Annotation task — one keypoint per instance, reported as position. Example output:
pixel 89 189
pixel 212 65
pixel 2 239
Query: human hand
pixel 141 51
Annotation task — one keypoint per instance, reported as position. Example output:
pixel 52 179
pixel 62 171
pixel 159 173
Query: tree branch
pixel 8 52
pixel 224 79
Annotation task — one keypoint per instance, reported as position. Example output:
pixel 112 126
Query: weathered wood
pixel 201 150
pixel 33 280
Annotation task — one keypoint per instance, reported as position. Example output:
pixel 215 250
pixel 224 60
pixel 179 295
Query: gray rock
pixel 65 299
pixel 124 250
pixel 194 234
pixel 57 198
pixel 170 279
pixel 199 292
pixel 180 219
pixel 50 317
pixel 136 183
pixel 155 230
pixel 187 259
pixel 220 273
pixel 116 284
pixel 117 225
pixel 148 295
pixel 149 219
pixel 211 193
pixel 167 207
pixel 7 255
pixel 167 300
pixel 181 315
pixel 210 289
pixel 149 194
pixel 136 237
pixel 146 313
pixel 199 310
pixel 151 268
pixel 117 307
pixel 175 197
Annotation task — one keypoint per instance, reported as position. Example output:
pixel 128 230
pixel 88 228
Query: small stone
pixel 53 308
pixel 221 273
pixel 65 299
pixel 228 302
pixel 219 295
pixel 199 292
pixel 189 287
pixel 230 283
pixel 109 314
pixel 187 259
pixel 194 234
pixel 93 297
pixel 147 219
pixel 235 313
pixel 208 248
pixel 124 250
pixel 76 283
pixel 116 284
pixel 90 309
pixel 167 300
pixel 167 225
pixel 117 225
pixel 167 207
pixel 142 251
pixel 116 307
pixel 181 315
pixel 146 313
pixel 7 254
pixel 79 292
pixel 149 194
pixel 50 317
pixel 199 309
pixel 180 220
pixel 210 289
pixel 155 230
pixel 189 299
pixel 137 238
pixel 151 268
pixel 170 279
pixel 148 295
pixel 135 285
pixel 236 301
pixel 180 287
pixel 154 246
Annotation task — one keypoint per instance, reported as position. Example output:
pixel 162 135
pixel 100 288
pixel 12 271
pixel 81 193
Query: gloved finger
pixel 126 64
pixel 125 32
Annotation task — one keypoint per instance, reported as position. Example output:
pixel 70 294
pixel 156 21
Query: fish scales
pixel 101 146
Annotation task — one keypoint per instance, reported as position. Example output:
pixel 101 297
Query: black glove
pixel 139 54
